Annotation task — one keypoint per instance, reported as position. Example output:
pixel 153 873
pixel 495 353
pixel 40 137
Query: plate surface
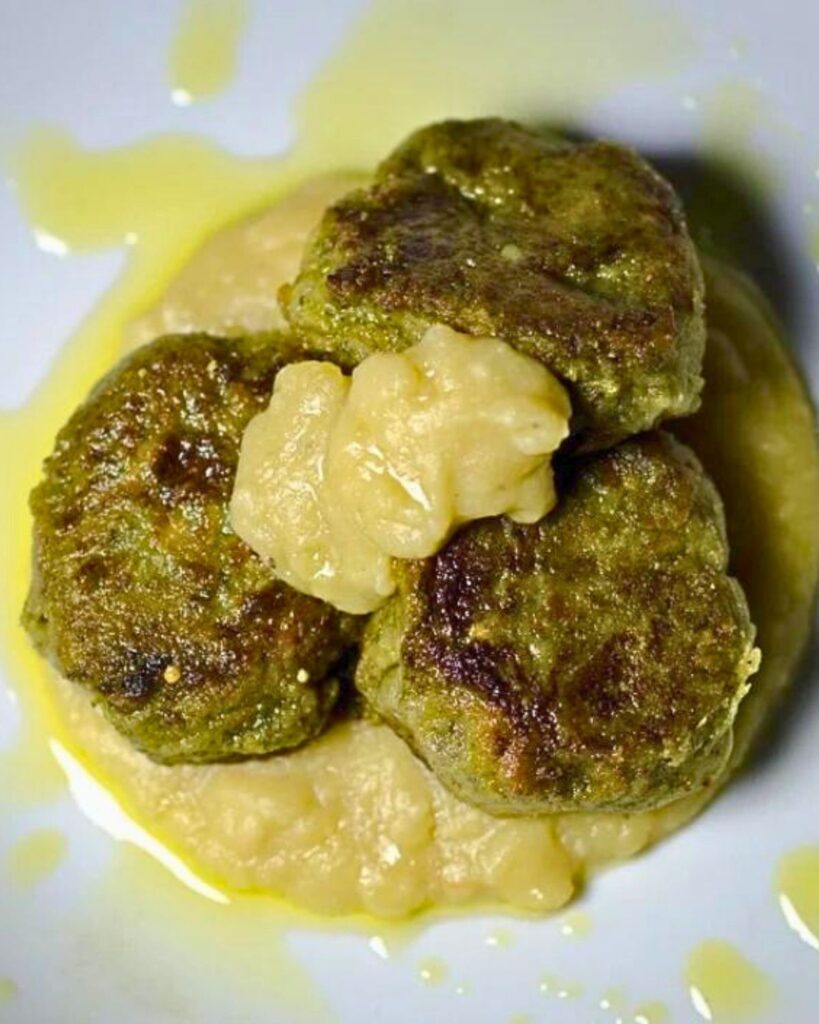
pixel 77 946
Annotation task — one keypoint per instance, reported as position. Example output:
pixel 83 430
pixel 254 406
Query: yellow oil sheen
pixel 203 55
pixel 35 856
pixel 725 987
pixel 797 889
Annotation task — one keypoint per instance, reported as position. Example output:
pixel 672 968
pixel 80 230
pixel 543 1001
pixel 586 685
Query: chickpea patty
pixel 141 591
pixel 592 661
pixel 578 255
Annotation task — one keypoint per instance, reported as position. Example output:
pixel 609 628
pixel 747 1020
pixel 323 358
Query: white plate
pixel 97 68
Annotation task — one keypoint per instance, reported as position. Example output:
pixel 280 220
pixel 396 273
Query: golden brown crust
pixel 141 590
pixel 592 661
pixel 576 254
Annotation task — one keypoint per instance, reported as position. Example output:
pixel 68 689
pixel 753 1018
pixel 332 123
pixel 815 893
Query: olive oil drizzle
pixel 724 985
pixel 204 53
pixel 36 856
pixel 797 891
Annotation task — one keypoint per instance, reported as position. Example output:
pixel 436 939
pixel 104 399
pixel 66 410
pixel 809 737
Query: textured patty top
pixel 592 661
pixel 577 254
pixel 142 592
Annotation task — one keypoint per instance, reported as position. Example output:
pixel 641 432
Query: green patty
pixel 578 255
pixel 141 591
pixel 593 661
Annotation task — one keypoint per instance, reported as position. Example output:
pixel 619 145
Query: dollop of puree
pixel 354 821
pixel 342 474
pixel 230 286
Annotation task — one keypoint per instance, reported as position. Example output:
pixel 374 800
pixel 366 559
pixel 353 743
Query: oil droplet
pixel 432 971
pixel 724 985
pixel 501 938
pixel 738 48
pixel 464 989
pixel 651 1013
pixel 36 856
pixel 613 999
pixel 521 1018
pixel 8 990
pixel 559 988
pixel 577 924
pixel 202 59
pixel 797 886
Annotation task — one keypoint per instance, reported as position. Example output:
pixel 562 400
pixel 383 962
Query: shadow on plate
pixel 731 218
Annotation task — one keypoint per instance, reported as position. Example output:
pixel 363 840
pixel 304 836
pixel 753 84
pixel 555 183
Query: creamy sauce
pixel 203 55
pixel 341 475
pixel 230 284
pixel 797 889
pixel 767 473
pixel 724 985
pixel 36 856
